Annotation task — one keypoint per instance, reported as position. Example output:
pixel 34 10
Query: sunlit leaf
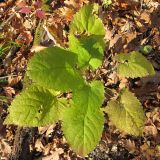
pixel 133 65
pixel 35 106
pixel 83 121
pixel 126 113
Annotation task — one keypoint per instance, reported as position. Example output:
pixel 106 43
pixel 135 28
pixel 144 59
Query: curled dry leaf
pixel 67 13
pixel 5 149
pixel 24 38
pixel 14 80
pixel 9 91
pixel 130 145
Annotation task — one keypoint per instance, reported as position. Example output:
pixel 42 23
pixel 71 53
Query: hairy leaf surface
pixel 35 106
pixel 127 113
pixel 88 49
pixel 133 65
pixel 54 68
pixel 83 121
pixel 86 21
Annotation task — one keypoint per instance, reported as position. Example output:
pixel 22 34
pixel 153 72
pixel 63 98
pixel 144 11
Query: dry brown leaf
pixel 27 24
pixel 5 149
pixel 9 91
pixel 48 148
pixel 116 43
pixel 13 80
pixel 128 4
pixel 149 153
pixel 150 130
pixel 130 36
pixel 24 38
pixel 145 17
pixel 75 3
pixel 109 34
pixel 50 129
pixel 55 155
pixel 67 13
pixel 39 146
pixel 20 3
pixel 47 129
pixel 42 130
pixel 130 145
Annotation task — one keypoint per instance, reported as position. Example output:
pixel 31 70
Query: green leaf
pixel 54 68
pixel 146 49
pixel 86 21
pixel 35 106
pixel 45 5
pixel 88 49
pixel 83 121
pixel 133 65
pixel 88 93
pixel 107 3
pixel 38 33
pixel 127 113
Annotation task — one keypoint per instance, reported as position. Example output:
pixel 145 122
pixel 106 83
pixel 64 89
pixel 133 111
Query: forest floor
pixel 129 24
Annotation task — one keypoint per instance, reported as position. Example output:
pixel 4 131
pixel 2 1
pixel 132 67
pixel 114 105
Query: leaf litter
pixel 128 25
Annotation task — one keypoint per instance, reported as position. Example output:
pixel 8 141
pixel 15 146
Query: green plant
pixel 106 3
pixel 5 47
pixel 146 49
pixel 56 70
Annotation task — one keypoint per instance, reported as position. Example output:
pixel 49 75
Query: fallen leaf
pixel 55 155
pixel 25 10
pixel 130 145
pixel 21 3
pixel 5 149
pixel 40 14
pixel 37 4
pixel 150 130
pixel 13 80
pixel 39 146
pixel 24 37
pixel 9 91
pixel 67 13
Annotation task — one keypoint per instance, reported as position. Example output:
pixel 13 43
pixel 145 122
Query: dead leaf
pixel 24 37
pixel 128 4
pixel 116 43
pixel 75 3
pixel 40 14
pixel 27 24
pixel 25 10
pixel 20 3
pixel 9 91
pixel 13 80
pixel 55 155
pixel 39 146
pixel 5 149
pixel 145 17
pixel 130 145
pixel 37 4
pixel 150 130
pixel 67 13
